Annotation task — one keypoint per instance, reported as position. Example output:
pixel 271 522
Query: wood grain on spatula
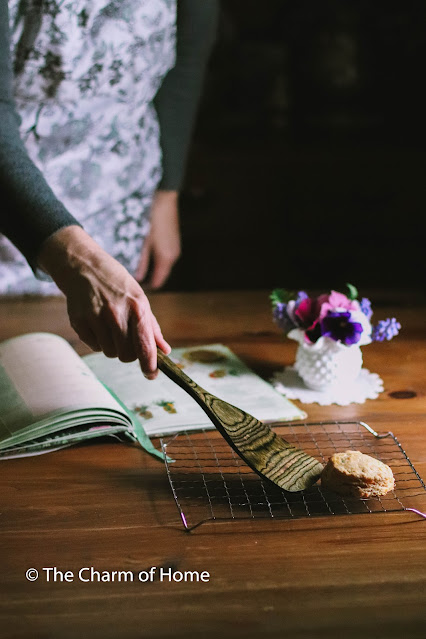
pixel 255 442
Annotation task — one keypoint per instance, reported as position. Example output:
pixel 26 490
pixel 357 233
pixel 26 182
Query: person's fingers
pixel 121 334
pixel 86 335
pixel 144 342
pixel 143 265
pixel 158 335
pixel 103 333
pixel 123 341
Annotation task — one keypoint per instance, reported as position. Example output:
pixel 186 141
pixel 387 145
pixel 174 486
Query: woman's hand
pixel 107 308
pixel 162 245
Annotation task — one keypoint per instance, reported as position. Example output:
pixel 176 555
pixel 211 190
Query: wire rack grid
pixel 210 482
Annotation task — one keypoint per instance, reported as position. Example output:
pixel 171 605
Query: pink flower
pixel 336 301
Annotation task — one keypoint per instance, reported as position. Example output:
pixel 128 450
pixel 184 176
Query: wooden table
pixel 109 506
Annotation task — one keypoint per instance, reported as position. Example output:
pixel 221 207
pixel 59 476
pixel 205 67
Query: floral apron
pixel 85 98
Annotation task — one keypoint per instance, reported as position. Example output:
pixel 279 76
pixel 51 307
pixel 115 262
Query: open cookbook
pixel 51 398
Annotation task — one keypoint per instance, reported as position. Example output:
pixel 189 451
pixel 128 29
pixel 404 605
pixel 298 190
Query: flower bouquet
pixel 330 329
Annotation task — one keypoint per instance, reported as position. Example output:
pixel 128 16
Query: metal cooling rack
pixel 210 482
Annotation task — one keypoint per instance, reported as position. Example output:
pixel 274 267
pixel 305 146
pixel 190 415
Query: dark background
pixel 307 165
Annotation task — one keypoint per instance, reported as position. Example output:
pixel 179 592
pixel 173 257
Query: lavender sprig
pixel 365 305
pixel 385 329
pixel 301 295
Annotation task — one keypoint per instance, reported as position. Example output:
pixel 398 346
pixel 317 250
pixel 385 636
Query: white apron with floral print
pixel 85 98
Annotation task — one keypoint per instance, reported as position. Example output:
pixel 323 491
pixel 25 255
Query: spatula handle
pixel 174 373
pixel 225 417
pixel 232 422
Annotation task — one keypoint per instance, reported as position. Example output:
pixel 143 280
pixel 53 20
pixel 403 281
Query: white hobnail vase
pixel 326 363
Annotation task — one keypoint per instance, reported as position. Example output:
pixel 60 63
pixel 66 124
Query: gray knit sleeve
pixel 177 100
pixel 29 211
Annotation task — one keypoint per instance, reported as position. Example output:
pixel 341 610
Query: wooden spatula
pixel 269 455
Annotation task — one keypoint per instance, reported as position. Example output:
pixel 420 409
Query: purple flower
pixel 338 325
pixel 301 295
pixel 366 307
pixel 282 318
pixel 385 329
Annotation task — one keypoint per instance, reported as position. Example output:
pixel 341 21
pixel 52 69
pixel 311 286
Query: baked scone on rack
pixel 355 474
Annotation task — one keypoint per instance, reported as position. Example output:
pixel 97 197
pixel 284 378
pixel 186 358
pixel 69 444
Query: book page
pixel 163 407
pixel 41 374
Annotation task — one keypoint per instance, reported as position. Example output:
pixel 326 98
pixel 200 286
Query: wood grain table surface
pixel 109 506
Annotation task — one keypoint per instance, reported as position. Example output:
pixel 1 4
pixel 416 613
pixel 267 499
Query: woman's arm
pixel 176 104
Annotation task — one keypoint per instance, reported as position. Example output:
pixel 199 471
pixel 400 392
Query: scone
pixel 357 475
